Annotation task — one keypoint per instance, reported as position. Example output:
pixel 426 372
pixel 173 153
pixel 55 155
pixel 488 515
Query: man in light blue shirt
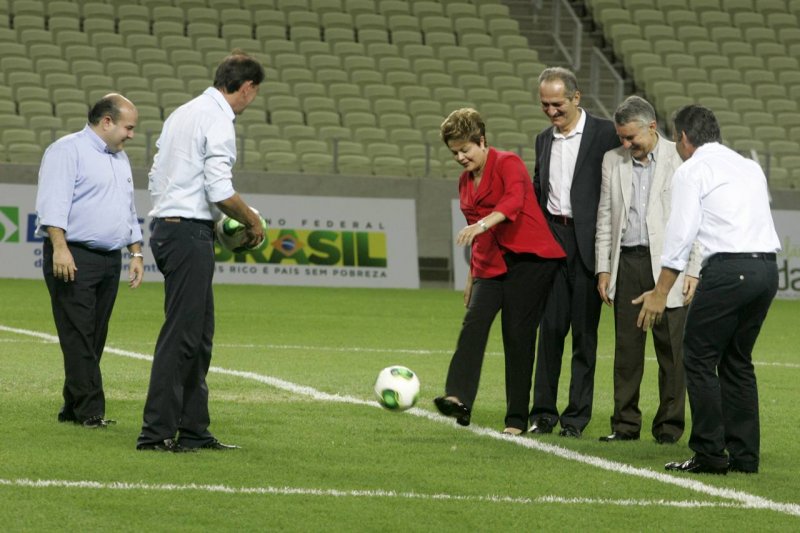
pixel 86 215
pixel 190 183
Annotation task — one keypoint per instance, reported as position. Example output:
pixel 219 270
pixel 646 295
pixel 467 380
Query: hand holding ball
pixel 232 234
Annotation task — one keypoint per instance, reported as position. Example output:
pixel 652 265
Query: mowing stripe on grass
pixel 338 493
pixel 748 500
pixel 384 351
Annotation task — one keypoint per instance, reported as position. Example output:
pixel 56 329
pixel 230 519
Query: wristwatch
pixel 137 254
pixel 483 225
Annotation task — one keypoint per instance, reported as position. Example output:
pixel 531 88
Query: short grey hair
pixel 565 76
pixel 634 109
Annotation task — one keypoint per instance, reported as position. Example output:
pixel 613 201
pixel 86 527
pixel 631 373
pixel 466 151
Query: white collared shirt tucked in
pixel 720 198
pixel 563 156
pixel 196 153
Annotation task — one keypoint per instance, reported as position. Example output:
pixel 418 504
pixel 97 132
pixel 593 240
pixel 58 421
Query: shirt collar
pixel 578 129
pixel 95 140
pixel 216 94
pixel 651 157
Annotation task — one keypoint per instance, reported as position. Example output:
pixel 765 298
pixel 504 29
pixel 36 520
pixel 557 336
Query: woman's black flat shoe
pixel 454 409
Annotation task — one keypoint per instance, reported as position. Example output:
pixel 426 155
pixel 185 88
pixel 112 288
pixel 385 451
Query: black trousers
pixel 177 398
pixel 635 276
pixel 521 294
pixel 82 310
pixel 573 303
pixel 722 326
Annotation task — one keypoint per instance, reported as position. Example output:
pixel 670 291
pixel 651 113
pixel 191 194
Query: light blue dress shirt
pixel 196 152
pixel 87 191
pixel 636 230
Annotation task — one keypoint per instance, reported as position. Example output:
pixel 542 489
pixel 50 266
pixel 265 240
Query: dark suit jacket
pixel 598 137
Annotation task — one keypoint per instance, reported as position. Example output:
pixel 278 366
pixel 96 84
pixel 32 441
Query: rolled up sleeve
pixel 220 157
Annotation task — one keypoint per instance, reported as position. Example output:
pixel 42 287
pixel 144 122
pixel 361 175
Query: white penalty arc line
pixel 748 500
pixel 338 493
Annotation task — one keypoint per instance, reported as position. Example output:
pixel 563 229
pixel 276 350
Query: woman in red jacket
pixel 514 259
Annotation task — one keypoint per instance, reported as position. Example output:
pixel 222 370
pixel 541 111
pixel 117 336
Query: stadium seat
pixel 379 51
pixel 403 38
pixel 305 90
pixel 744 104
pixel 700 89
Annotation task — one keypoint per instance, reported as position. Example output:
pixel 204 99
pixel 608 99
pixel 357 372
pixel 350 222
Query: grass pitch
pixel 292 384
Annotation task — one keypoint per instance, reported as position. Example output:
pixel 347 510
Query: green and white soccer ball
pixel 397 388
pixel 231 233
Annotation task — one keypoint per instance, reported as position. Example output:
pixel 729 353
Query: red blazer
pixel 505 187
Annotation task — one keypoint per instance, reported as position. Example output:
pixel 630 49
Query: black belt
pixel 560 219
pixel 85 246
pixel 178 220
pixel 743 255
pixel 634 249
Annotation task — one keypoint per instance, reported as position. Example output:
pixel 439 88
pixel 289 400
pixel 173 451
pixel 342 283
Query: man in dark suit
pixel 567 177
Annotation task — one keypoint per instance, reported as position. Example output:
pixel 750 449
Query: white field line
pixel 359 349
pixel 748 500
pixel 338 493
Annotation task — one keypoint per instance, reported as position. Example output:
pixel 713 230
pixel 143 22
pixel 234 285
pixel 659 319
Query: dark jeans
pixel 177 399
pixel 82 310
pixel 520 293
pixel 722 326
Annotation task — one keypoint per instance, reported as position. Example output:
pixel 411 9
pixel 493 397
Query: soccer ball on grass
pixel 231 233
pixel 397 388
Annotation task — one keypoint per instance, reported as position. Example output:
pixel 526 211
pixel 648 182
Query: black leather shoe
pixel 454 409
pixel 570 431
pixel 65 414
pixel 217 445
pixel 97 422
pixel 541 426
pixel 617 436
pixel 167 445
pixel 693 466
pixel 666 439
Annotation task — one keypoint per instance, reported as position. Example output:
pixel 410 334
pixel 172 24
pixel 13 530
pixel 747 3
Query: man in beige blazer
pixel 634 207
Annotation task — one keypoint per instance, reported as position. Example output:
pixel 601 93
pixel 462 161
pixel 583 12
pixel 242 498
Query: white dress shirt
pixel 196 152
pixel 720 198
pixel 563 156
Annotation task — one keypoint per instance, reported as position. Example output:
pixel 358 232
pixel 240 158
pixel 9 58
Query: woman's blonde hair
pixel 463 124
